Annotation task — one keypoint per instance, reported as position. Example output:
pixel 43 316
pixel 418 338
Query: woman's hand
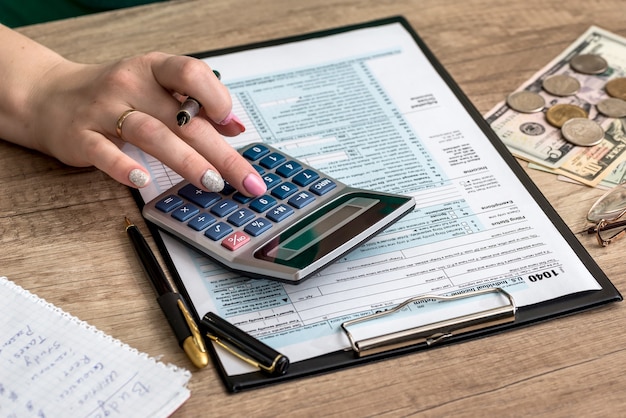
pixel 81 114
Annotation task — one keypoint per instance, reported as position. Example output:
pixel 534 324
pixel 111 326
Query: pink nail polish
pixel 254 185
pixel 233 118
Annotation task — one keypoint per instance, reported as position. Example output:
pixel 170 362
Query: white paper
pixel 54 365
pixel 368 108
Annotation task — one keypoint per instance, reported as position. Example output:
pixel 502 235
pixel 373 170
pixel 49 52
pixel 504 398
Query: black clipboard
pixel 509 317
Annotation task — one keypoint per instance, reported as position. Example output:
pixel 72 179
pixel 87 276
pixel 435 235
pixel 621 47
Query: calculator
pixel 306 219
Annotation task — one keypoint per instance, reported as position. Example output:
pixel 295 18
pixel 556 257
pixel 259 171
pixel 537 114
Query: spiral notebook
pixel 52 364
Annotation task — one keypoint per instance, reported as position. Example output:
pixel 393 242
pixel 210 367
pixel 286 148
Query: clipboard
pixel 453 330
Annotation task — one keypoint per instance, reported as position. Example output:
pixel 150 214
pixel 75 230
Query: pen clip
pixel 242 357
pixel 193 327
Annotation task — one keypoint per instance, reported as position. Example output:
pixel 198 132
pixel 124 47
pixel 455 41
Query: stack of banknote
pixel 570 117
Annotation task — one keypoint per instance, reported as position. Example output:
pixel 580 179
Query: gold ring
pixel 120 121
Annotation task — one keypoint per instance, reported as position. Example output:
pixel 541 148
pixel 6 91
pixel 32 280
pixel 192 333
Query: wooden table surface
pixel 62 231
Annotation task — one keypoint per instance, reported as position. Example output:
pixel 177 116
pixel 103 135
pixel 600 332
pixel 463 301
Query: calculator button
pixel 263 203
pixel 323 186
pixel 271 180
pixel 273 160
pixel 284 190
pixel 258 169
pixel 198 196
pixel 169 203
pixel 185 212
pixel 235 241
pixel 241 198
pixel 201 221
pixel 289 169
pixel 301 200
pixel 279 213
pixel 241 216
pixel 224 207
pixel 256 152
pixel 218 231
pixel 305 177
pixel 257 227
pixel 228 189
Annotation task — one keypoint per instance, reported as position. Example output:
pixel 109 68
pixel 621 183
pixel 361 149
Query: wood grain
pixel 62 231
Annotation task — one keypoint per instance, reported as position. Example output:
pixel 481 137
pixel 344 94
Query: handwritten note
pixel 54 365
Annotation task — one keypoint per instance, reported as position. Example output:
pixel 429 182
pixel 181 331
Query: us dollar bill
pixel 530 137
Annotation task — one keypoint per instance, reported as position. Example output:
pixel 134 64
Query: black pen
pixel 243 345
pixel 170 301
pixel 191 107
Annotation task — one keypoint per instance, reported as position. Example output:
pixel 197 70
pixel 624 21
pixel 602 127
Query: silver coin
pixel 561 85
pixel 525 101
pixel 589 64
pixel 612 107
pixel 583 132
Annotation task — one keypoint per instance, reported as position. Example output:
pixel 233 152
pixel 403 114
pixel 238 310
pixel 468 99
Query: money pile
pixel 570 117
pixel 573 120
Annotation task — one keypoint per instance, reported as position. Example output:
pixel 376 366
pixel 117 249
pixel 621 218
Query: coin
pixel 558 114
pixel 612 107
pixel 589 64
pixel 581 131
pixel 526 101
pixel 561 85
pixel 616 88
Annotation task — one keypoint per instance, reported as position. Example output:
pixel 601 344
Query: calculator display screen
pixel 327 228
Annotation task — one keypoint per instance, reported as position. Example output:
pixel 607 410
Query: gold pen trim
pixel 240 356
pixel 194 345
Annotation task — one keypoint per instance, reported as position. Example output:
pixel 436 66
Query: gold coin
pixel 558 114
pixel 616 88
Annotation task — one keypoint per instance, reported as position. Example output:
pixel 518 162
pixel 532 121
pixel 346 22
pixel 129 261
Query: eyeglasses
pixel 606 214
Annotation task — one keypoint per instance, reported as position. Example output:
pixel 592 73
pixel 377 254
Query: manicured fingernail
pixel 254 185
pixel 212 181
pixel 138 177
pixel 233 118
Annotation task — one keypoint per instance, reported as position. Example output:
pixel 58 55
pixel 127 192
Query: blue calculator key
pixel 228 189
pixel 198 196
pixel 241 216
pixel 323 186
pixel 273 160
pixel 169 203
pixel 201 221
pixel 284 190
pixel 241 198
pixel 279 213
pixel 263 203
pixel 218 231
pixel 289 169
pixel 257 227
pixel 256 152
pixel 271 180
pixel 258 169
pixel 306 177
pixel 301 200
pixel 185 212
pixel 225 207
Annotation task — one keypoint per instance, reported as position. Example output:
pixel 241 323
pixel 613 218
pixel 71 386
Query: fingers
pixel 188 157
pixel 192 77
pixel 107 157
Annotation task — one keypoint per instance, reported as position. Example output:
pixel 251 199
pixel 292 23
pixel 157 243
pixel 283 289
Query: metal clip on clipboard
pixel 436 331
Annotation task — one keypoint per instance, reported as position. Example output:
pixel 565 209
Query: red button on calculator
pixel 235 241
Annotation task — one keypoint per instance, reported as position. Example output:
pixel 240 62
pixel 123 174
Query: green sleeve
pixel 27 12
